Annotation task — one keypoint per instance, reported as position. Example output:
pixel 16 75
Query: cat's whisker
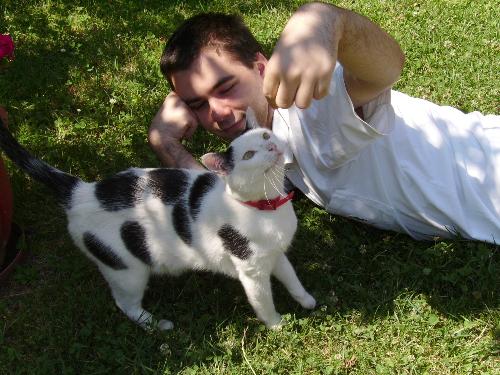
pixel 267 179
pixel 272 181
pixel 279 191
pixel 275 188
pixel 279 172
pixel 273 177
pixel 277 175
pixel 265 192
pixel 279 169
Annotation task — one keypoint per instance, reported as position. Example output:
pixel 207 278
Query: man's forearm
pixel 368 51
pixel 173 154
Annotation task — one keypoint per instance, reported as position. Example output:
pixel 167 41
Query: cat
pixel 234 218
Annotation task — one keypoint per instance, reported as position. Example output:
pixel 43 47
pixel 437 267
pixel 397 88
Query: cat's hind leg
pixel 127 287
pixel 284 272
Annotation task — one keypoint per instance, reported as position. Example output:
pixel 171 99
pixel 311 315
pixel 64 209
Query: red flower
pixel 6 47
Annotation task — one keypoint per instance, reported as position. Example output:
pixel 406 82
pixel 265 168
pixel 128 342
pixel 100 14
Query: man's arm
pixel 315 37
pixel 172 123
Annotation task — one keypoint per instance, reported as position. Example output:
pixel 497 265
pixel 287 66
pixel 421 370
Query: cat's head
pixel 252 166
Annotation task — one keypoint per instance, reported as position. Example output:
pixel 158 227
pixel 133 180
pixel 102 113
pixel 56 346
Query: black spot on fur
pixel 103 252
pixel 201 186
pixel 168 184
pixel 134 237
pixel 181 223
pixel 118 192
pixel 234 242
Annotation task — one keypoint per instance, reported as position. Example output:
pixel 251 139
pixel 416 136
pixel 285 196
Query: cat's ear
pixel 251 119
pixel 216 162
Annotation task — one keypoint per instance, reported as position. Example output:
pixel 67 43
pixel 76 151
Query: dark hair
pixel 218 30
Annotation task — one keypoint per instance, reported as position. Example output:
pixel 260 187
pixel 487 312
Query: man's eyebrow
pixel 219 83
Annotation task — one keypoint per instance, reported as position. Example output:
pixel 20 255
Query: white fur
pixel 269 233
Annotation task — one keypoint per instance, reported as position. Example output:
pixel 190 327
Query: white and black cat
pixel 235 219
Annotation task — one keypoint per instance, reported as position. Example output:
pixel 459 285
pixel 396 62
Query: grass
pixel 81 94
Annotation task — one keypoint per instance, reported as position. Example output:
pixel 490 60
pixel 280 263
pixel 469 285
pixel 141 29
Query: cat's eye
pixel 266 136
pixel 248 155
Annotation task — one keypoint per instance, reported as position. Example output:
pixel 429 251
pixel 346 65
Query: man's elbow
pixel 399 63
pixel 156 139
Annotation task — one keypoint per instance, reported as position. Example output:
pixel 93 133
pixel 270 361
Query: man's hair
pixel 227 32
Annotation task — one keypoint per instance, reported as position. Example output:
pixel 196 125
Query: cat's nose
pixel 272 147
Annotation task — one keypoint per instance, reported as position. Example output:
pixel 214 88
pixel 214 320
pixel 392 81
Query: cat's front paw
pixel 307 301
pixel 165 325
pixel 276 323
pixel 159 325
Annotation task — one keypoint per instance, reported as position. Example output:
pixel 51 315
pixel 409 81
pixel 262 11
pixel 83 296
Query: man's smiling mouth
pixel 234 126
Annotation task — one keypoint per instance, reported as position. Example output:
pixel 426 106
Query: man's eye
pixel 227 89
pixel 248 155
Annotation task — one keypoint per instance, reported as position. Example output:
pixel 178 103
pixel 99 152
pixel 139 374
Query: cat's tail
pixel 62 184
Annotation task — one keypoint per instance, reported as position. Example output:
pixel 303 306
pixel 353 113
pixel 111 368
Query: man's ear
pixel 215 162
pixel 260 63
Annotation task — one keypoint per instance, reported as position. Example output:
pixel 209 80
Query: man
pixel 357 148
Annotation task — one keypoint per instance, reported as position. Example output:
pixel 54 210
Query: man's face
pixel 219 89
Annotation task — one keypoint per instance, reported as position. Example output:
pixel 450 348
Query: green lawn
pixel 81 94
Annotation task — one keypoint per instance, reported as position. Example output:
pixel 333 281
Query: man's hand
pixel 174 119
pixel 304 58
pixel 173 122
pixel 318 34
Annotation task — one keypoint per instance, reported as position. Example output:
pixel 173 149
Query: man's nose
pixel 218 109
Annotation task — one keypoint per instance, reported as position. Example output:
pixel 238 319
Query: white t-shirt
pixel 411 166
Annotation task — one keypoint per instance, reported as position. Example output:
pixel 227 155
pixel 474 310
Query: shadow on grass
pixel 369 268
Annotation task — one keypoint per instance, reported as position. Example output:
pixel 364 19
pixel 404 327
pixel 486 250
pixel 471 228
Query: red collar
pixel 269 204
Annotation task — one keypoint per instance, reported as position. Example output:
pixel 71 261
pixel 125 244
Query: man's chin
pixel 234 130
